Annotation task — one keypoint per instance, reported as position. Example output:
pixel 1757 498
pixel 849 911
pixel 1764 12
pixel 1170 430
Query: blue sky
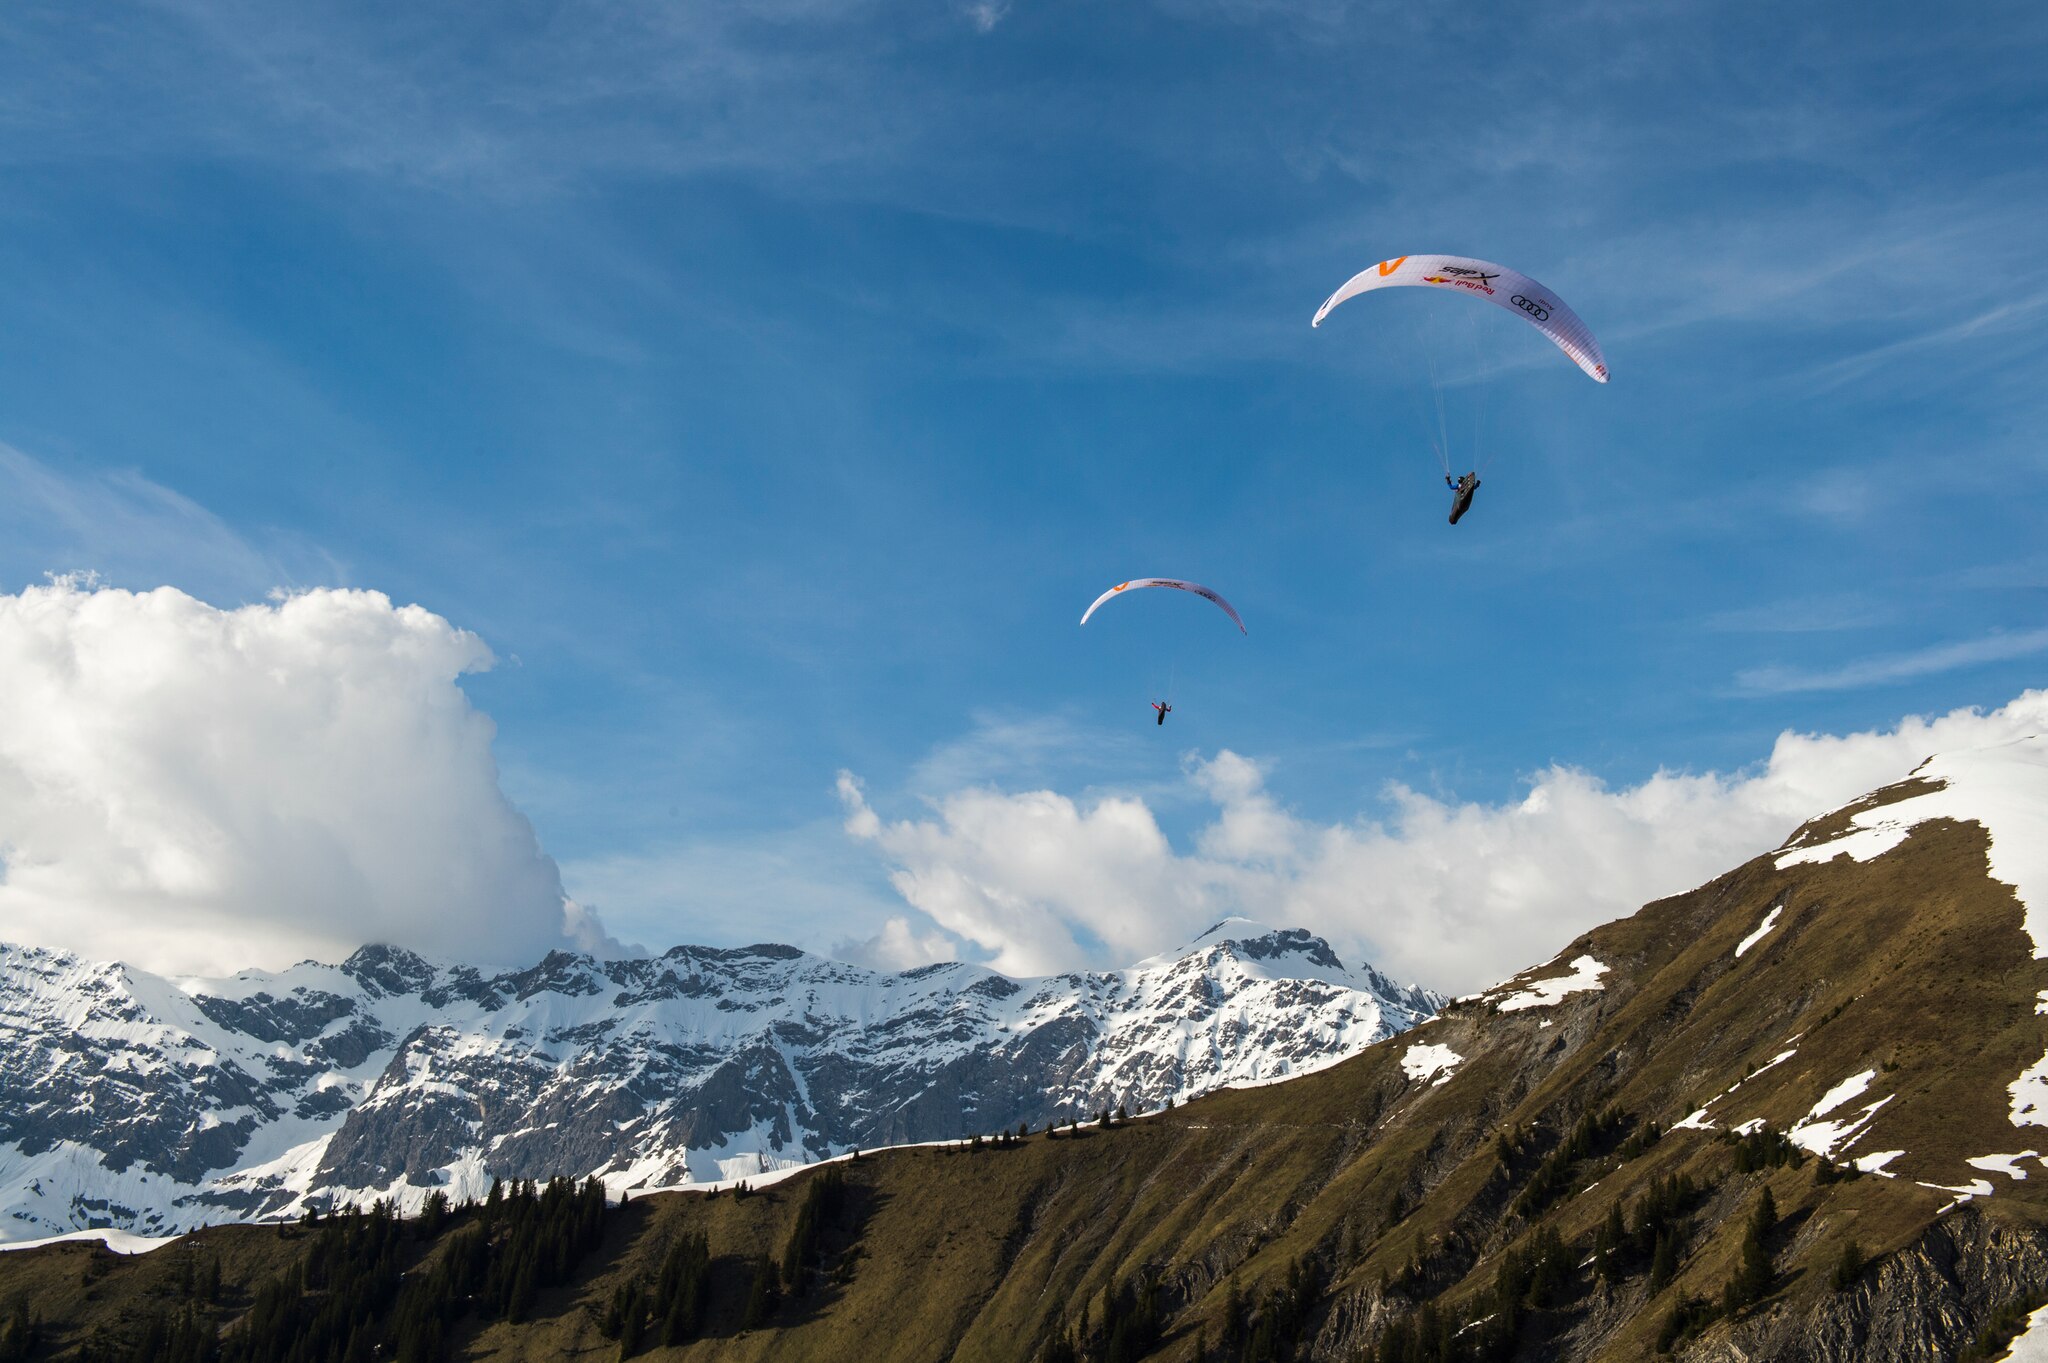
pixel 771 388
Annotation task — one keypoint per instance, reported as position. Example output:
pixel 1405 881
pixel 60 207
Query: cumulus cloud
pixel 900 945
pixel 194 789
pixel 1456 895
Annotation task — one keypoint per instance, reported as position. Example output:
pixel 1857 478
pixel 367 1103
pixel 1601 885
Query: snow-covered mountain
pixel 155 1105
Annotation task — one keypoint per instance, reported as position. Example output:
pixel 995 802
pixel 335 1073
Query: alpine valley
pixel 154 1105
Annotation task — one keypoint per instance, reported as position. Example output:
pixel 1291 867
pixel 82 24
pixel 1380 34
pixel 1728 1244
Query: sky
pixel 459 461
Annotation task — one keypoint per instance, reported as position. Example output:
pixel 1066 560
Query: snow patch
pixel 1852 1087
pixel 2030 1095
pixel 1976 1187
pixel 119 1241
pixel 1770 921
pixel 2031 1344
pixel 2003 1164
pixel 1874 1163
pixel 1780 1058
pixel 1819 1137
pixel 1420 1062
pixel 1586 973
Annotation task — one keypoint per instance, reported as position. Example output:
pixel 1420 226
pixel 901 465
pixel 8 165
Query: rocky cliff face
pixel 154 1105
pixel 1920 1304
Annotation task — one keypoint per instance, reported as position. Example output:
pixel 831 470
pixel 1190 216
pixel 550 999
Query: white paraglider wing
pixel 1197 588
pixel 1483 279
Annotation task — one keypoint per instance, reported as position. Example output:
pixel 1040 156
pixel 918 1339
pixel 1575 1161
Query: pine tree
pixel 630 1326
pixel 1607 1247
pixel 18 1335
pixel 1848 1268
pixel 1764 1219
pixel 1663 1261
pixel 762 1298
pixel 434 1214
pixel 1753 1278
pixel 681 1290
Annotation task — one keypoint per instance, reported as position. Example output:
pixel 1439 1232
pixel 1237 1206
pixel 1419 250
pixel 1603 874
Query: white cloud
pixel 1455 895
pixel 1028 877
pixel 189 788
pixel 900 945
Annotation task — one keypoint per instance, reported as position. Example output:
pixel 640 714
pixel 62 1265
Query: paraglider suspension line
pixel 1440 439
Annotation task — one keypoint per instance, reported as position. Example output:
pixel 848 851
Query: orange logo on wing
pixel 1387 267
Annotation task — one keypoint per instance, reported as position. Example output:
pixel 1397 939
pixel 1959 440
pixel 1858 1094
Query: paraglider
pixel 1162 708
pixel 1507 289
pixel 1461 493
pixel 1497 284
pixel 1197 588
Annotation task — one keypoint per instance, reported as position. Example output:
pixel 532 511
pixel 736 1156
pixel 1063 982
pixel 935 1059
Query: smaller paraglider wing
pixel 1495 284
pixel 1197 588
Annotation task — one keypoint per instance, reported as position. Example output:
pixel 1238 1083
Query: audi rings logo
pixel 1533 307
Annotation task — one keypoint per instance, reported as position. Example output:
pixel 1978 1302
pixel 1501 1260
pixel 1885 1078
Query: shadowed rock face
pixel 174 1103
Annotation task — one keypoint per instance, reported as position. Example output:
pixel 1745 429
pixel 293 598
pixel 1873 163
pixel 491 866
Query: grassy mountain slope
pixel 1392 1198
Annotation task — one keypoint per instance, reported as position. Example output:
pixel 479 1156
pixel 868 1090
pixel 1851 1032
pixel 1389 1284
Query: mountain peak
pixel 1252 940
pixel 2002 787
pixel 384 969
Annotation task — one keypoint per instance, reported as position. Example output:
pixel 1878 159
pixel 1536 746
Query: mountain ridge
pixel 154 1104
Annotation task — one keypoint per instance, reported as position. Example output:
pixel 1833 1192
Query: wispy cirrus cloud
pixel 2014 317
pixel 1817 614
pixel 128 529
pixel 986 14
pixel 1894 667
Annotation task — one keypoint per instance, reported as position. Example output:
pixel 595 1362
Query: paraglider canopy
pixel 1496 284
pixel 1197 588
